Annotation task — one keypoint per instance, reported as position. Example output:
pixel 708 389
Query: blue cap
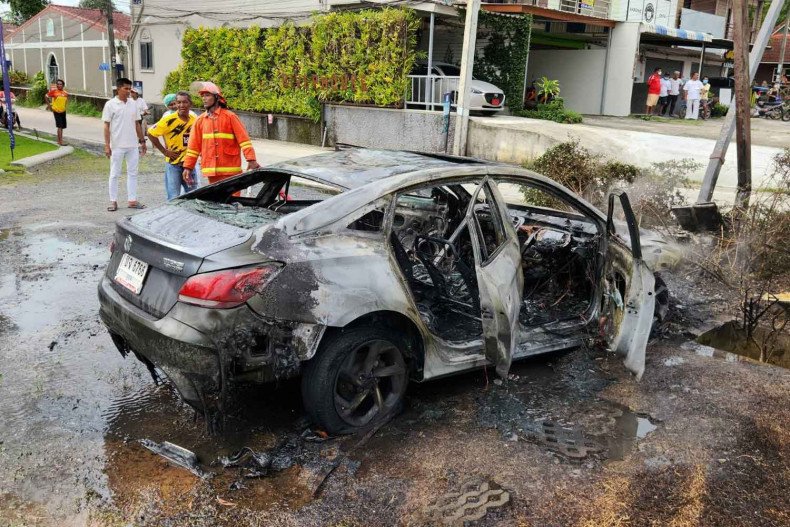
pixel 170 97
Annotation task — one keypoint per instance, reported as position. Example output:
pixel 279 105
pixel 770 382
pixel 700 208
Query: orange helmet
pixel 209 87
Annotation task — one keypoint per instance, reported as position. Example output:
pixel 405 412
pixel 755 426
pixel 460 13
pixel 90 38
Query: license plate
pixel 131 273
pixel 494 101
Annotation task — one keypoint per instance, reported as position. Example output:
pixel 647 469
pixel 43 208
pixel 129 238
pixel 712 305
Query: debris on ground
pixel 177 455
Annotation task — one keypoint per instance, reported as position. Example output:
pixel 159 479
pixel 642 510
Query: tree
pixel 21 10
pixel 97 4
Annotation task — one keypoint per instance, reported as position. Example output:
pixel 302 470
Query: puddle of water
pixel 52 281
pixel 730 338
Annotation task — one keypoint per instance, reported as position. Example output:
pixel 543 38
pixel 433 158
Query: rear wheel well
pixel 415 351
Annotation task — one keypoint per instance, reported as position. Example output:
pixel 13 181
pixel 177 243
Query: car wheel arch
pixel 393 320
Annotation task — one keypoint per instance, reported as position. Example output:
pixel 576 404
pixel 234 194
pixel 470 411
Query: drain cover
pixel 470 503
pixel 566 441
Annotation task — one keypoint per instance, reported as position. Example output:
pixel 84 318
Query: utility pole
pixel 464 94
pixel 728 128
pixel 108 11
pixel 758 15
pixel 780 68
pixel 743 135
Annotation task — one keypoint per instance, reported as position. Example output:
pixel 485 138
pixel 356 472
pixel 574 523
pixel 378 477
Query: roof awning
pixel 677 33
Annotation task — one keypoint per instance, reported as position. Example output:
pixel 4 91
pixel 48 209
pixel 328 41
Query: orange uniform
pixel 218 138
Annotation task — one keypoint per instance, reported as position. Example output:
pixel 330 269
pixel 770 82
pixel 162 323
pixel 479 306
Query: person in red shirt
pixel 653 90
pixel 219 138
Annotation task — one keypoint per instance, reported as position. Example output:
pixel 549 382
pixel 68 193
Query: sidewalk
pixel 91 131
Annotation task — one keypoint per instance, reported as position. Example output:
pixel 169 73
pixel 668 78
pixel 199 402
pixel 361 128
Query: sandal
pixel 136 205
pixel 113 206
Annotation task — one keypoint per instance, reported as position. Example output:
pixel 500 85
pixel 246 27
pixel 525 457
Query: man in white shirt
pixel 123 139
pixel 142 106
pixel 691 94
pixel 674 91
pixel 663 96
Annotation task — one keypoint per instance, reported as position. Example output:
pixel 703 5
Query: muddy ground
pixel 571 438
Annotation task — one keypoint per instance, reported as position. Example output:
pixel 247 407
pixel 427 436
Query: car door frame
pixel 629 299
pixel 499 280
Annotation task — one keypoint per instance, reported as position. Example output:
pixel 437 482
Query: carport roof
pixel 662 34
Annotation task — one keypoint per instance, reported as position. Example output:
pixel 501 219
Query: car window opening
pixel 432 243
pixel 255 198
pixel 560 257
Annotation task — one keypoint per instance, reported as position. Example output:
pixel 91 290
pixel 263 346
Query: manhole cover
pixel 569 442
pixel 473 501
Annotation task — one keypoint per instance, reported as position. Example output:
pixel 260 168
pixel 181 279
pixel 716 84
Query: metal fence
pixel 594 8
pixel 426 91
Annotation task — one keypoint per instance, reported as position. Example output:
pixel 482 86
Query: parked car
pixel 398 267
pixel 486 97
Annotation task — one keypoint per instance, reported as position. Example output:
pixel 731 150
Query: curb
pixel 38 159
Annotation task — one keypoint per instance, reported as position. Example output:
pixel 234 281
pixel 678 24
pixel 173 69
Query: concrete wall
pixel 619 82
pixel 387 128
pixel 579 73
pixel 516 144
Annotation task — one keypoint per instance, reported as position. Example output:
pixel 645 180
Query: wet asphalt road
pixel 700 441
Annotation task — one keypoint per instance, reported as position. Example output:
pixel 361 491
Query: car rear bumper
pixel 187 356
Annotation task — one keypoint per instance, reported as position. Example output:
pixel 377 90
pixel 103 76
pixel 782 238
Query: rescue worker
pixel 219 138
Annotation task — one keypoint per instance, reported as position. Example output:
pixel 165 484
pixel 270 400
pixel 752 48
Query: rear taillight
pixel 228 288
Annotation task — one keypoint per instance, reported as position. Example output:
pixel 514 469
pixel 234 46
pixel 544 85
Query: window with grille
pixel 146 55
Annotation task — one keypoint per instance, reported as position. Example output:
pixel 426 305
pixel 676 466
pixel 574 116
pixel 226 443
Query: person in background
pixel 142 106
pixel 653 91
pixel 663 97
pixel 170 103
pixel 175 128
pixel 57 101
pixel 704 94
pixel 123 139
pixel 692 91
pixel 219 139
pixel 674 91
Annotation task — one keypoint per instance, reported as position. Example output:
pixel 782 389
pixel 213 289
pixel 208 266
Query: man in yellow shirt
pixel 175 128
pixel 57 99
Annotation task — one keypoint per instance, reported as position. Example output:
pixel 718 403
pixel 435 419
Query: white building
pixel 601 51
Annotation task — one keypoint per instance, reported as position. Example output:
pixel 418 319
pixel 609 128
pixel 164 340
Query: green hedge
pixel 552 111
pixel 290 69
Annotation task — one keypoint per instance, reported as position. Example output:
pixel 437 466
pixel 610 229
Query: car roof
pixel 367 175
pixel 352 167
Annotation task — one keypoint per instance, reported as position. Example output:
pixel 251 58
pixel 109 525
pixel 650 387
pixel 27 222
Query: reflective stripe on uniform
pixel 218 135
pixel 245 144
pixel 219 170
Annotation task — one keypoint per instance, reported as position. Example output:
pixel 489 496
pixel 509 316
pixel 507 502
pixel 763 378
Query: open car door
pixel 498 271
pixel 629 299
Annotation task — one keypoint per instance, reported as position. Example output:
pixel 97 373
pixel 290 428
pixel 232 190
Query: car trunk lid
pixel 173 242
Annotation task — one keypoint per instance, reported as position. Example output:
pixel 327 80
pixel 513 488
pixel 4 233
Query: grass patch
pixel 83 108
pixel 74 108
pixel 25 147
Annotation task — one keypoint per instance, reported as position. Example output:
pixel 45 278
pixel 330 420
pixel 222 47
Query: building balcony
pixel 591 8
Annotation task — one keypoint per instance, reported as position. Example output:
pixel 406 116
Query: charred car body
pixel 386 267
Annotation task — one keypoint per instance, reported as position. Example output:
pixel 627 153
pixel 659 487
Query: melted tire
pixel 320 378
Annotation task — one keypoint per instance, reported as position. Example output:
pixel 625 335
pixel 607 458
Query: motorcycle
pixel 771 108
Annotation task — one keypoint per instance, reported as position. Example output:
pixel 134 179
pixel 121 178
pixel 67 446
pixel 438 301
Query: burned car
pixel 362 270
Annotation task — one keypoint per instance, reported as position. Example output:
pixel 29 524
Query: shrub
pixel 38 88
pixel 718 110
pixel 291 69
pixel 18 78
pixel 653 191
pixel 552 111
